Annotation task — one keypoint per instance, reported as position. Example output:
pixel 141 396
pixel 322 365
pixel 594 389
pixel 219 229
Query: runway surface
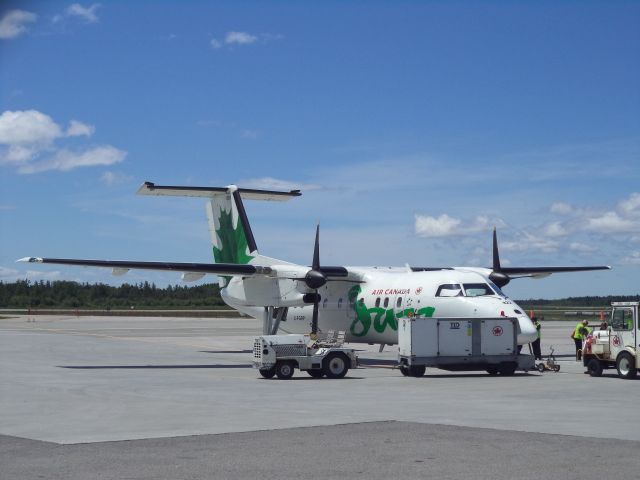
pixel 135 397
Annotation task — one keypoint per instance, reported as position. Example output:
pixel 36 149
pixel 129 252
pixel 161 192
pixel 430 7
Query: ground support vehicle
pixel 549 364
pixel 280 355
pixel 460 344
pixel 616 346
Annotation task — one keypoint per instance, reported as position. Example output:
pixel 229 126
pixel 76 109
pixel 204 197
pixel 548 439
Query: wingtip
pixel 30 260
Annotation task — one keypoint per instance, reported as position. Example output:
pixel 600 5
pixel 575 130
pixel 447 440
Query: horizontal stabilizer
pixel 149 188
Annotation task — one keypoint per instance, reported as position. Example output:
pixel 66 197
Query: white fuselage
pixel 368 310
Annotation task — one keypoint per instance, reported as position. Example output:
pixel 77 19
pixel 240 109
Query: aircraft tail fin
pixel 231 235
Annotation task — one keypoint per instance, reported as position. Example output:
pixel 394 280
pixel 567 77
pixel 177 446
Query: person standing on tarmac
pixel 581 331
pixel 536 343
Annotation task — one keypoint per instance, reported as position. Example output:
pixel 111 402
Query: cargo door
pixel 454 337
pixel 497 336
pixel 418 337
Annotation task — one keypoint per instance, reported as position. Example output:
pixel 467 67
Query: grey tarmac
pixel 118 397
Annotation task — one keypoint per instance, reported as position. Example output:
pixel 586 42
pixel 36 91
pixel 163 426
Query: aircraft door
pixel 623 327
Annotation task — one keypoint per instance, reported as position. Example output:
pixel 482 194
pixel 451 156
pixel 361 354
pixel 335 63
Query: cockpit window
pixel 477 289
pixel 449 290
pixel 497 289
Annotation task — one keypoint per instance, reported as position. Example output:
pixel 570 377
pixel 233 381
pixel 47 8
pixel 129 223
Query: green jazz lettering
pixel 382 318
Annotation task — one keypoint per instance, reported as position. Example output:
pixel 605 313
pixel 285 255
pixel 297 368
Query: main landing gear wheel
pixel 626 365
pixel 284 370
pixel 268 372
pixel 404 370
pixel 315 373
pixel 594 367
pixel 335 365
pixel 417 370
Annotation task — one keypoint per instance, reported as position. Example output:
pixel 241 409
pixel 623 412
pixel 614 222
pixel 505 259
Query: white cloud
pixel 240 38
pixel 631 205
pixel 270 183
pixel 29 134
pixel 114 178
pixel 65 160
pixel 610 222
pixel 249 134
pixel 88 14
pixel 561 208
pixel 27 127
pixel 8 272
pixel 78 128
pixel 555 229
pixel 632 259
pixel 18 154
pixel 581 248
pixel 38 275
pixel 526 242
pixel 446 226
pixel 442 226
pixel 14 23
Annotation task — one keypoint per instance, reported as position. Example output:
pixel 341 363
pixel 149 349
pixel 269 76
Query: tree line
pixel 587 301
pixel 65 294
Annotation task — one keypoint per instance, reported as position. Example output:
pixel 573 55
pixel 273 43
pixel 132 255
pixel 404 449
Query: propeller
pixel 314 279
pixel 497 276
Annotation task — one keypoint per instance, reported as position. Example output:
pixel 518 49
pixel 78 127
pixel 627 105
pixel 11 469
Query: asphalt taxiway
pixel 134 397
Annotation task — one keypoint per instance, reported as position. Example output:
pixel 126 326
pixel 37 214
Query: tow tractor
pixel 280 355
pixel 616 346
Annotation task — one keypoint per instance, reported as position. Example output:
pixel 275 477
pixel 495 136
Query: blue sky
pixel 412 129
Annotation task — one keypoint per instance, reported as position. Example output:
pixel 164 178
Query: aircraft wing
pixel 535 271
pixel 197 270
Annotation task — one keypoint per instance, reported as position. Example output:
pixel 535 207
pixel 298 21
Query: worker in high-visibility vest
pixel 536 343
pixel 579 333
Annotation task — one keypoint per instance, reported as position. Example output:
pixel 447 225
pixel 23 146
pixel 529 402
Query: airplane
pixel 365 302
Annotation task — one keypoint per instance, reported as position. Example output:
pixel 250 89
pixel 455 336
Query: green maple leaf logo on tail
pixel 233 242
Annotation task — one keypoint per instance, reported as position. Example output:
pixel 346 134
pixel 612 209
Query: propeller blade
pixel 314 319
pixel 496 255
pixel 316 250
pixel 314 277
pixel 497 276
